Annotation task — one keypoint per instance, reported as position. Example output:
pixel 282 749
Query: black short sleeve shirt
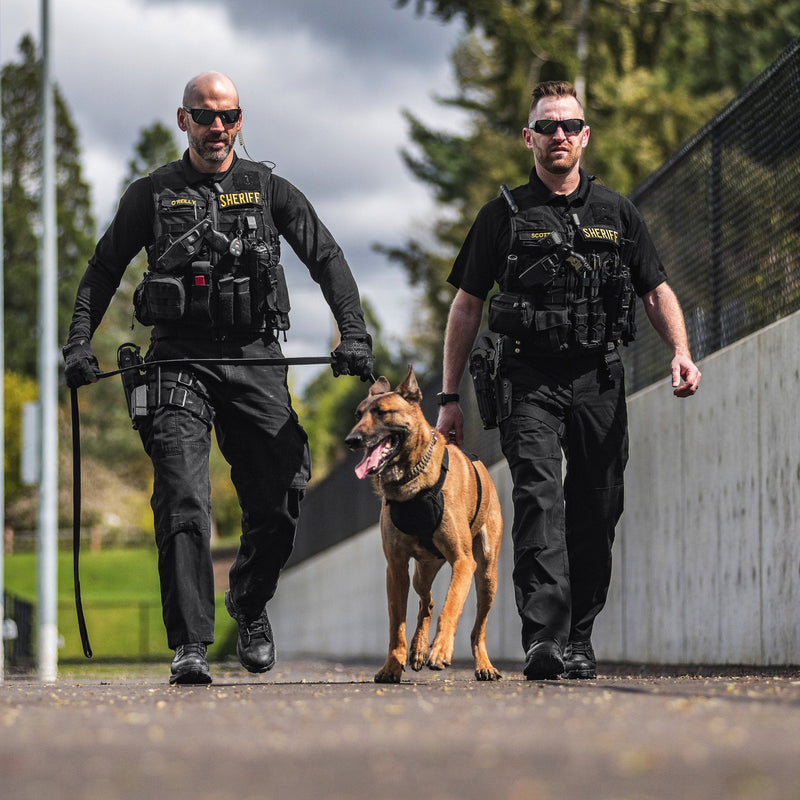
pixel 482 257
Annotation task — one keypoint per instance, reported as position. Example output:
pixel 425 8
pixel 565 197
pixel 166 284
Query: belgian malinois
pixel 437 506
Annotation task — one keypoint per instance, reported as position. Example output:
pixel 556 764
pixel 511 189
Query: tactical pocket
pixel 225 301
pixel 199 310
pixel 551 330
pixel 242 311
pixel 159 298
pixel 511 314
pixel 277 306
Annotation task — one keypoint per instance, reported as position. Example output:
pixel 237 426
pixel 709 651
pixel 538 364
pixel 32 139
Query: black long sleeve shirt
pixel 132 229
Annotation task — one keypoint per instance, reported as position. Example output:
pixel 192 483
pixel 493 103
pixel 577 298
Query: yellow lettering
pixel 239 199
pixel 183 201
pixel 540 234
pixel 601 233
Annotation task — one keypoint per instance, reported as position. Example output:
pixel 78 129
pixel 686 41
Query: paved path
pixel 318 730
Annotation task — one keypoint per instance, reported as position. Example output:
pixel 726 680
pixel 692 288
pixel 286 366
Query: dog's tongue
pixel 369 463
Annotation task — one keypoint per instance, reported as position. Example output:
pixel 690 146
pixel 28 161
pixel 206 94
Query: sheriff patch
pixel 239 199
pixel 599 233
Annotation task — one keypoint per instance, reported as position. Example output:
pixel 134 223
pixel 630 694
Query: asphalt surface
pixel 312 729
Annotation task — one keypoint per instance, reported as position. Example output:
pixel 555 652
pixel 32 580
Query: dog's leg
pixel 397 583
pixel 485 588
pixel 442 648
pixel 424 573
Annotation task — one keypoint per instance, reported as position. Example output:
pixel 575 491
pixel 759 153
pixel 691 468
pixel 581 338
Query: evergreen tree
pixel 156 146
pixel 21 86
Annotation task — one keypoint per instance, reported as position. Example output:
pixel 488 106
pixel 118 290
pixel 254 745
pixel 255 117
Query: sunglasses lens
pixel 572 125
pixel 546 126
pixel 202 116
pixel 230 116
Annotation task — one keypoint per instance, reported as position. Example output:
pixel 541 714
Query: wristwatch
pixel 443 398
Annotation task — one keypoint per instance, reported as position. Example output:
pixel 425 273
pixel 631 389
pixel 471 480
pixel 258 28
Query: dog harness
pixel 422 514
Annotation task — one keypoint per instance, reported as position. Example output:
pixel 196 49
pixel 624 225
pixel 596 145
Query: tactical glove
pixel 80 364
pixel 353 356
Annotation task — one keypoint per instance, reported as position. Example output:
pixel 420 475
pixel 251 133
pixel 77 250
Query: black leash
pixel 252 362
pixel 76 452
pixel 76 519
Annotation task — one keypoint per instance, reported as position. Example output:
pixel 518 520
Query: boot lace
pixel 259 627
pixel 191 649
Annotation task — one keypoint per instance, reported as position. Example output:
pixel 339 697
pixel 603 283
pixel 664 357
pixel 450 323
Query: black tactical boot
pixel 543 661
pixel 254 645
pixel 190 664
pixel 579 660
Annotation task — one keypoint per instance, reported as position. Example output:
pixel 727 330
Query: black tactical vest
pixel 566 286
pixel 214 262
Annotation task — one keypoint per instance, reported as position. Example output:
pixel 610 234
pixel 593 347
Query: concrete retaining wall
pixel 707 558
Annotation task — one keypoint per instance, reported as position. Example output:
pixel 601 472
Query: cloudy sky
pixel 322 83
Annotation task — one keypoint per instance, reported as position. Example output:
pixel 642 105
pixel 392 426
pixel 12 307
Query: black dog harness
pixel 422 514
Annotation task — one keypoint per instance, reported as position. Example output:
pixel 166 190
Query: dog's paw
pixel 385 676
pixel 490 674
pixel 440 657
pixel 417 660
pixel 438 663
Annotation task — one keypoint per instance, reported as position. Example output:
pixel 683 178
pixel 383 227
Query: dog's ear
pixel 409 388
pixel 381 386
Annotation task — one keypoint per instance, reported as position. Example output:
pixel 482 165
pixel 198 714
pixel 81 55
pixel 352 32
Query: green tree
pixel 21 87
pixel 653 74
pixel 156 146
pixel 18 391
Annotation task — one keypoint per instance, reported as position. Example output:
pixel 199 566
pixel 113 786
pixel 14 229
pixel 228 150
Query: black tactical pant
pixel 563 531
pixel 258 433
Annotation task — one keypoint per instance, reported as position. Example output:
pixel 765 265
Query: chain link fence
pixel 724 213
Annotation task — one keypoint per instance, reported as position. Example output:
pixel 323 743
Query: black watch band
pixel 443 398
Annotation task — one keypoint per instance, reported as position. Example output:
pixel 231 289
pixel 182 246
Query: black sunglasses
pixel 549 126
pixel 206 116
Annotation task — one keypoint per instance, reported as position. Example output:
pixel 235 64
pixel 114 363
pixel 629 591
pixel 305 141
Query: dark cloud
pixel 371 29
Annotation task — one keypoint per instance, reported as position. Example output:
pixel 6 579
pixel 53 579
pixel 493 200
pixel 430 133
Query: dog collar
pixel 425 460
pixel 421 464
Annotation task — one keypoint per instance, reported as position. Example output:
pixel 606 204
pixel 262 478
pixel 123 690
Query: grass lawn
pixel 121 602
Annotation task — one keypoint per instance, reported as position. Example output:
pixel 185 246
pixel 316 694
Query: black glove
pixel 353 356
pixel 80 363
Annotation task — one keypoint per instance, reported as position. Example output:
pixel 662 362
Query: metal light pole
pixel 48 387
pixel 2 410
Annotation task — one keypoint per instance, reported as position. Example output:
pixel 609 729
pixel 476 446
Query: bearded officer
pixel 211 224
pixel 570 257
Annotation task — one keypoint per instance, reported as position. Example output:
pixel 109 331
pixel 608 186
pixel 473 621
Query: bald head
pixel 209 84
pixel 211 137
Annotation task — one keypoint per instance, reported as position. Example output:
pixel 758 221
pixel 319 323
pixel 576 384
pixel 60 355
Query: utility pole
pixel 48 387
pixel 2 412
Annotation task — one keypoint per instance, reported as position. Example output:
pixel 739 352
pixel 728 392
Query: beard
pixel 557 163
pixel 202 145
